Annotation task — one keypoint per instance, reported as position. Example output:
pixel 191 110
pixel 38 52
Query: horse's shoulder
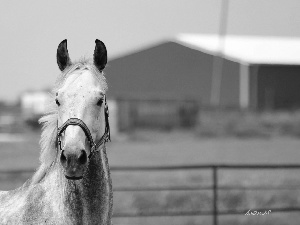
pixel 12 194
pixel 3 195
pixel 34 208
pixel 11 205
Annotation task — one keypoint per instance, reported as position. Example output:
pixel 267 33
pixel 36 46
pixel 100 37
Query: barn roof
pixel 247 49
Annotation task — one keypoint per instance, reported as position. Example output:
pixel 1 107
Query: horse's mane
pixel 49 120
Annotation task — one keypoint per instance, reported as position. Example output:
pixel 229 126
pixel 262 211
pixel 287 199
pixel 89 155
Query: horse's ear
pixel 100 55
pixel 62 55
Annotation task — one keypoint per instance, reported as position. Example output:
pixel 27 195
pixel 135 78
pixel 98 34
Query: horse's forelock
pixel 80 65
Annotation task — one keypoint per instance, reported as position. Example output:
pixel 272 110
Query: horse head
pixel 82 110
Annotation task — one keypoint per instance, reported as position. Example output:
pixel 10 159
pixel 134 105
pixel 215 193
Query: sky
pixel 31 30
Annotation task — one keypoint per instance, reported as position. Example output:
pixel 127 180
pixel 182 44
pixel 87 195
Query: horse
pixel 72 185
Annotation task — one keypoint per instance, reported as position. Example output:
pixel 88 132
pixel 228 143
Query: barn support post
pixel 244 86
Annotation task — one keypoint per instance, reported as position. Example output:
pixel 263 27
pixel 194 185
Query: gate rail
pixel 215 187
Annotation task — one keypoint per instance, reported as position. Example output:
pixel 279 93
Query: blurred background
pixel 203 95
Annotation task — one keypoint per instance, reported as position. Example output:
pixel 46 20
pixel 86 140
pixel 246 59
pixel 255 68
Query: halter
pixel 78 122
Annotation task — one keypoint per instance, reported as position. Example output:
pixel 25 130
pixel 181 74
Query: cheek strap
pixel 78 122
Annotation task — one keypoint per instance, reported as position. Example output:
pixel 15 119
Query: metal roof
pixel 246 49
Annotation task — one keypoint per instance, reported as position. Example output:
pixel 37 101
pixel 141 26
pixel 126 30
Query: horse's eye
pixel 57 102
pixel 100 102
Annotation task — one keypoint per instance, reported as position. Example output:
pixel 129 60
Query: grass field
pixel 148 148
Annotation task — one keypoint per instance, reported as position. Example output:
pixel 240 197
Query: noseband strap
pixel 78 122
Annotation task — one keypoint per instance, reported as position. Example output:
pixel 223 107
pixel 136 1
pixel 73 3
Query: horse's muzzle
pixel 73 164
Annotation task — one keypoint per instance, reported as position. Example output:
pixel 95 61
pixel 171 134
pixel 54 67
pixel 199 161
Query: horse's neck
pixel 86 201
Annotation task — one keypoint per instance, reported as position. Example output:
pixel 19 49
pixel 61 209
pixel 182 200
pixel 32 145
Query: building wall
pixel 276 87
pixel 170 70
pixel 165 71
pixel 230 88
pixel 253 98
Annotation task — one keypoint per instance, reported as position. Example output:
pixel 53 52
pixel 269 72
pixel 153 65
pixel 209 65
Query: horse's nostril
pixel 63 158
pixel 82 159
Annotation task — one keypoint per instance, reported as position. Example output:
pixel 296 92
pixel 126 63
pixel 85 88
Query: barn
pixel 259 73
pixel 263 72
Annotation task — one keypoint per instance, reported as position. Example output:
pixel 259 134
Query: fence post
pixel 215 195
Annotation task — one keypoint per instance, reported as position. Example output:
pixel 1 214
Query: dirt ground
pixel 149 148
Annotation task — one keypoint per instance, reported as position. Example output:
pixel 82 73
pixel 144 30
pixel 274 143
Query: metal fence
pixel 215 187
